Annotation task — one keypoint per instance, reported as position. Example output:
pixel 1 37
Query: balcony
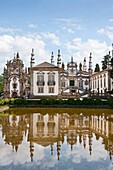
pixel 51 83
pixel 40 83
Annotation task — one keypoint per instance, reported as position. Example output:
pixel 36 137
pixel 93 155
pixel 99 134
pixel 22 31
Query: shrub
pixel 70 101
pixel 110 103
pixel 78 102
pixel 98 101
pixel 11 101
pixel 19 101
pixel 87 101
pixel 1 102
pixel 61 102
pixel 6 101
pixel 44 101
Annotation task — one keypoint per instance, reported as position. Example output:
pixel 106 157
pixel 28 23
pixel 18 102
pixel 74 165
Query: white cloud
pixel 79 153
pixel 68 21
pixel 111 20
pixel 69 25
pixel 53 37
pixel 101 31
pixel 10 44
pixel 44 41
pixel 69 30
pixel 22 44
pixel 109 28
pixel 6 42
pixel 80 49
pixel 32 25
pixel 9 30
pixel 107 31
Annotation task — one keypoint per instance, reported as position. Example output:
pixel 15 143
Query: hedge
pixel 56 102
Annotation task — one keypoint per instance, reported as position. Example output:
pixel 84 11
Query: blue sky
pixel 76 27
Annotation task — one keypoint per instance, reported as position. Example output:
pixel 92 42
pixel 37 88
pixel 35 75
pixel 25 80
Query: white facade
pixel 45 80
pixel 101 82
pixel 46 89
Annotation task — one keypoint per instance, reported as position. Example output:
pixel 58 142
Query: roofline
pixel 46 69
pixel 98 73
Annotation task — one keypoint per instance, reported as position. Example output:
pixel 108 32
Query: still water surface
pixel 55 139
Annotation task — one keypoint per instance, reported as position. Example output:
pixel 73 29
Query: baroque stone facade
pixel 15 78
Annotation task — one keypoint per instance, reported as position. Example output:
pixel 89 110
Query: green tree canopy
pixel 106 61
pixel 97 68
pixel 1 84
pixel 112 62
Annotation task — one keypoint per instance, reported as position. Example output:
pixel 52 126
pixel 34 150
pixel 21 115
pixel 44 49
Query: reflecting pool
pixel 55 139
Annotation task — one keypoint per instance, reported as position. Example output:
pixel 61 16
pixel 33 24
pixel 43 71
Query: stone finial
pixel 52 58
pixel 59 59
pixel 32 58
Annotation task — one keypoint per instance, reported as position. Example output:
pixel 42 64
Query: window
pixel 101 82
pixel 40 128
pixel 14 85
pixel 95 83
pixel 104 80
pixel 51 117
pixel 40 79
pixel 86 82
pixel 17 70
pixel 40 118
pixel 40 90
pixel 51 89
pixel 51 127
pixel 98 82
pixel 51 79
pixel 63 84
pixel 91 84
pixel 81 83
pixel 72 83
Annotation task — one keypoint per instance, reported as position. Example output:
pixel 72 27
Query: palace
pixel 55 80
pixel 48 79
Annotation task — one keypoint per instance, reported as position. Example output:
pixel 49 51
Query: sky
pixel 76 27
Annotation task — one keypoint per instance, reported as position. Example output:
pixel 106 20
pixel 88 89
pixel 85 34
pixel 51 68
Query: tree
pixel 1 84
pixel 112 62
pixel 111 72
pixel 97 68
pixel 106 62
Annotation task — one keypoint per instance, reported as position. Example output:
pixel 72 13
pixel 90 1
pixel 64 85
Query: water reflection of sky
pixel 76 158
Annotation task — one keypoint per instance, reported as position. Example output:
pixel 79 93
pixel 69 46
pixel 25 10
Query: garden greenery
pixel 86 102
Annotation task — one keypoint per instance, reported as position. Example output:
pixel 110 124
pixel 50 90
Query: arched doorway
pixel 14 94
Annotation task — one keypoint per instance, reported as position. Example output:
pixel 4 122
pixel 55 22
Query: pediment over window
pixel 51 72
pixel 40 72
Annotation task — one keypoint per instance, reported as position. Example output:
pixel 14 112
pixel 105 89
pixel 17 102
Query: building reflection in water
pixel 51 130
